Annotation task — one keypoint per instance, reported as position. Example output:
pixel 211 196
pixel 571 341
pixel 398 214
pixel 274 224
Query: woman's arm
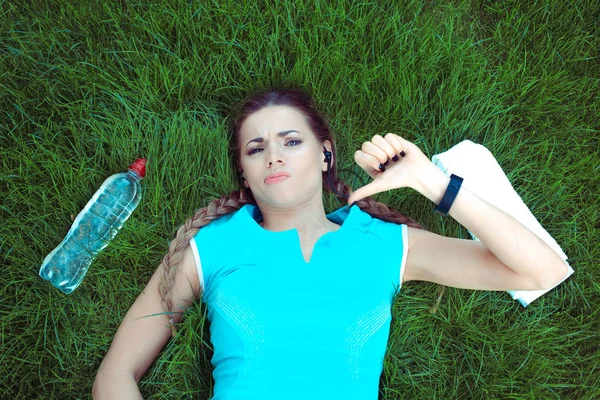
pixel 139 340
pixel 116 386
pixel 513 245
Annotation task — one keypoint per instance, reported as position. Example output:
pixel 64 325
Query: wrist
pixel 432 183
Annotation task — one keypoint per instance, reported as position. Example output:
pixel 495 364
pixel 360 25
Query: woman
pixel 299 300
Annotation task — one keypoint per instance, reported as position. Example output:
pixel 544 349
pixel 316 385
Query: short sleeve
pixel 404 251
pixel 391 241
pixel 208 252
pixel 194 247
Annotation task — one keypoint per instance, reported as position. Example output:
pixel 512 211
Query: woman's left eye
pixel 258 148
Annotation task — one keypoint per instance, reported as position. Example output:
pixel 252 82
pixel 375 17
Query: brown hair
pixel 300 100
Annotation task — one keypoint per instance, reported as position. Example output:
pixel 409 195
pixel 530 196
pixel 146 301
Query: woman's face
pixel 277 139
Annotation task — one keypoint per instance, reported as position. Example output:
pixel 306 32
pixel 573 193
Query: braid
pixel 203 216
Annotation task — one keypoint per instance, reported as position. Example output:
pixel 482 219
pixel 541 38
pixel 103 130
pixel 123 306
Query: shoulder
pixel 395 234
pixel 221 234
pixel 215 234
pixel 223 223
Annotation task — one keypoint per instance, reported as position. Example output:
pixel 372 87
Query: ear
pixel 244 179
pixel 327 145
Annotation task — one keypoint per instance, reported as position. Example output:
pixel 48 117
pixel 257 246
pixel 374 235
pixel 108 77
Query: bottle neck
pixel 134 173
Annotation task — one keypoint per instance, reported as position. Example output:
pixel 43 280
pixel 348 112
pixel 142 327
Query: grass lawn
pixel 88 87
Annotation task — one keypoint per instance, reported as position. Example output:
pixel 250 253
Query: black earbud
pixel 328 160
pixel 327 154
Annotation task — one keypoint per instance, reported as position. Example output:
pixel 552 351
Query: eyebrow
pixel 261 140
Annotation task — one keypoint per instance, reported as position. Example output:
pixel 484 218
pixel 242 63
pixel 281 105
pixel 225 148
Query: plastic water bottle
pixel 100 220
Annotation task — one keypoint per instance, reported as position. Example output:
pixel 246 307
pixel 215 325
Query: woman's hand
pixel 397 174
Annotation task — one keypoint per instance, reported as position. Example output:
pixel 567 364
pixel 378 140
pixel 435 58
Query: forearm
pixel 510 241
pixel 115 386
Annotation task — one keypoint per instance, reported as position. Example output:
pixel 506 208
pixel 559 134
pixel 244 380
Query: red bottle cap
pixel 139 167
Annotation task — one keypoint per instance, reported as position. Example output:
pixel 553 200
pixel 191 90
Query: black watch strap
pixel 450 195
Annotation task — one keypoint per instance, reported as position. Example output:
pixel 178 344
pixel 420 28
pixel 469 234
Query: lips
pixel 276 175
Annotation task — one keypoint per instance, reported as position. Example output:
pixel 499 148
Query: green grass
pixel 85 89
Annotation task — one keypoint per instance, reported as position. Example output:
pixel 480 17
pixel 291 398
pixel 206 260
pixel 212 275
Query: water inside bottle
pixel 93 228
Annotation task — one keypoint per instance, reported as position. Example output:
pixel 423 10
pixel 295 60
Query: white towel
pixel 483 176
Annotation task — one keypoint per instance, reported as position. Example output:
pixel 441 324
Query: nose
pixel 271 162
pixel 273 156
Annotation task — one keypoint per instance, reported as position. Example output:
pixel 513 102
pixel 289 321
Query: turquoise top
pixel 282 328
